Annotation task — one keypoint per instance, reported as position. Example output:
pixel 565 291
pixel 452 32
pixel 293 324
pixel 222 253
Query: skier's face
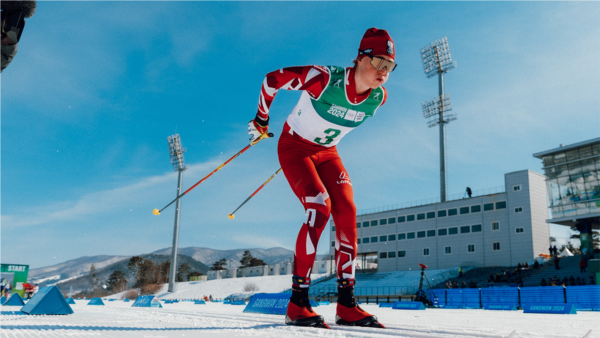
pixel 369 75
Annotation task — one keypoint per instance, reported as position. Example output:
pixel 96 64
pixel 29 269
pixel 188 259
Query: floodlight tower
pixel 437 60
pixel 176 151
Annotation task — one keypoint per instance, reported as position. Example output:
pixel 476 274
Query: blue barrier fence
pixel 584 297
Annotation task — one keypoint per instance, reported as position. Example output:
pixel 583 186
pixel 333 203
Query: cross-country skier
pixel 334 101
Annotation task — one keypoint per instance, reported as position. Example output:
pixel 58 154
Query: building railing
pixel 433 200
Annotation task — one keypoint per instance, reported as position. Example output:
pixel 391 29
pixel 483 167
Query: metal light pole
pixel 176 152
pixel 437 60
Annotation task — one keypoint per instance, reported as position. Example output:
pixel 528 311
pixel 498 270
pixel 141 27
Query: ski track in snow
pixel 185 319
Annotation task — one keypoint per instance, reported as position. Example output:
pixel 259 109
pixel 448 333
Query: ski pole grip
pixel 261 137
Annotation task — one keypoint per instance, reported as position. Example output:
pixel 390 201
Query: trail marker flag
pixel 48 301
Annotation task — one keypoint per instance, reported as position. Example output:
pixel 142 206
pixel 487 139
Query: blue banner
pixel 146 301
pixel 503 307
pixel 386 304
pixel 408 306
pixel 561 308
pixel 238 302
pixel 269 303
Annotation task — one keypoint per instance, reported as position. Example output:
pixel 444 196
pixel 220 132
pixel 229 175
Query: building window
pixel 358 241
pixel 426 252
pixel 420 217
pixel 496 246
pixel 465 229
pixel 464 210
pixel 420 234
pixel 358 225
pixel 401 236
pixel 495 225
pixel 475 208
pixel 333 228
pixel 452 231
pixel 374 223
pixel 383 221
pixel 392 254
pixel 431 215
pixel 488 207
pixel 401 219
pixel 448 250
pixel 383 238
pixel 501 205
pixel 517 187
pixel 441 213
pixel 410 235
pixel 374 239
pixel 442 232
pixel 392 220
pixel 430 233
pixel 392 237
pixel 383 255
pixel 410 218
pixel 476 228
pixel 519 230
pixel 332 244
pixel 401 253
pixel 452 212
pixel 471 248
pixel 518 210
pixel 366 224
pixel 366 240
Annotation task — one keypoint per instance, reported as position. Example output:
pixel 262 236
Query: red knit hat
pixel 377 42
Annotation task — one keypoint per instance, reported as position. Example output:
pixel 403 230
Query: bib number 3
pixel 330 134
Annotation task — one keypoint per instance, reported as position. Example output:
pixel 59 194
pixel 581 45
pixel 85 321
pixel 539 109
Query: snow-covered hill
pixel 72 268
pixel 209 256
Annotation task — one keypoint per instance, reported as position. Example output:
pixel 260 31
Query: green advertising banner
pixel 15 275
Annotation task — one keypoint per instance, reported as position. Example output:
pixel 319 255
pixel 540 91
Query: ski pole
pixel 231 216
pixel 263 136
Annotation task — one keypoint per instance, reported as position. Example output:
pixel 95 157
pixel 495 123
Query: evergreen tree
pixel 93 278
pixel 246 259
pixel 257 262
pixel 219 265
pixel 116 281
pixel 183 270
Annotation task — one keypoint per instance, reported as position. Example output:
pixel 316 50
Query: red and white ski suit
pixel 315 172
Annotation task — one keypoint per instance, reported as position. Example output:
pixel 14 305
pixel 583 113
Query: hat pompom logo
pixel 390 49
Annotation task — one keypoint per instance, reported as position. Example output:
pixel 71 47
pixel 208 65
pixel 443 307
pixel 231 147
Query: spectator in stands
pixel 582 264
pixel 526 267
pixel 554 280
pixel 473 284
pixel 536 265
pixel 491 278
pixel 210 298
pixel 520 282
pixel 543 283
pixel 463 285
pixel 551 251
pixel 2 282
pixel 448 285
pixel 555 250
pixel 593 279
pixel 508 273
pixel 454 285
pixel 565 281
pixel 460 271
pixel 571 280
pixel 491 283
pixel 578 281
pixel 556 261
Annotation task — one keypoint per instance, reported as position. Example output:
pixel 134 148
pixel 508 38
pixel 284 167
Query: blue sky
pixel 96 88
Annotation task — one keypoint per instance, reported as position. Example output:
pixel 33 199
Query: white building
pixel 500 229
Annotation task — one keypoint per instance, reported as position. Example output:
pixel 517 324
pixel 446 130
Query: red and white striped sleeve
pixel 384 96
pixel 312 79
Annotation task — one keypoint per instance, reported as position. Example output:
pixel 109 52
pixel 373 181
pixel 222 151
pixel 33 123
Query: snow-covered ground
pixel 185 319
pixel 221 288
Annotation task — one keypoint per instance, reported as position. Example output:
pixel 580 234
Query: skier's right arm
pixel 313 79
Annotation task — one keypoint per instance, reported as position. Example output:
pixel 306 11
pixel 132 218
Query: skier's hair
pixel 26 6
